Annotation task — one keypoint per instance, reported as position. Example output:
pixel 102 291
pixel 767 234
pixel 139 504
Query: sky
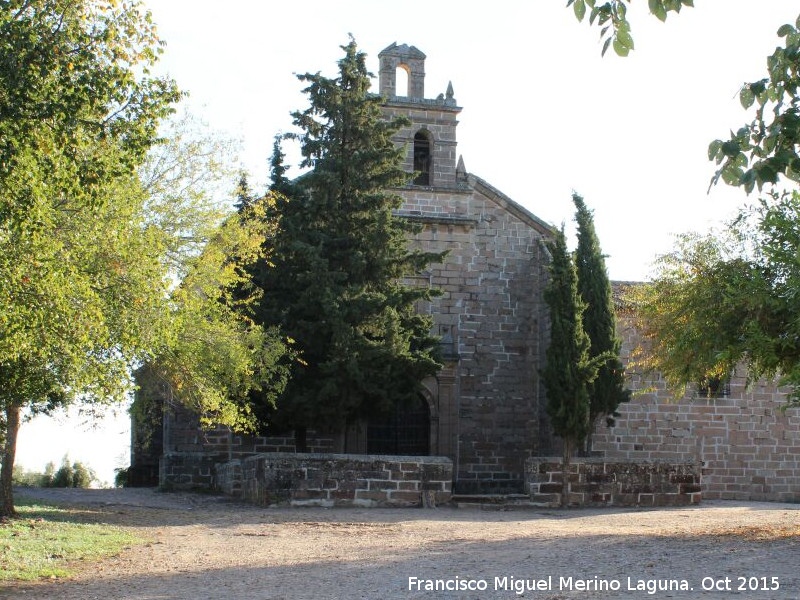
pixel 543 115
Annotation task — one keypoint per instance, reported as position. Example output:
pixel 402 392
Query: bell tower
pixel 412 61
pixel 431 137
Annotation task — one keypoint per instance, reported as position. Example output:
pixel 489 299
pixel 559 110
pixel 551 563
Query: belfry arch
pixel 412 61
pixel 423 157
pixel 402 79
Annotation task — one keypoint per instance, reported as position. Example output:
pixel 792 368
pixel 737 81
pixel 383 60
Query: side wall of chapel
pixel 747 443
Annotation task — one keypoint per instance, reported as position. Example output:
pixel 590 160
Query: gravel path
pixel 206 547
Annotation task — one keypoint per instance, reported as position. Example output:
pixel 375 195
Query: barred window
pixel 714 387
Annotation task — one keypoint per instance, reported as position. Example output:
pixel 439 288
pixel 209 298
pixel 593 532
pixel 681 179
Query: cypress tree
pixel 568 368
pixel 339 255
pixel 607 391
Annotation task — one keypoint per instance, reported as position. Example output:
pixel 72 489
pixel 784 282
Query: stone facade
pixel 484 410
pixel 488 400
pixel 747 444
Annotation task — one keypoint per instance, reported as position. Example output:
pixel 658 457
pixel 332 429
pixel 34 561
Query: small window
pixel 422 159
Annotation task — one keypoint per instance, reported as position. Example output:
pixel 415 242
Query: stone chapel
pixel 485 409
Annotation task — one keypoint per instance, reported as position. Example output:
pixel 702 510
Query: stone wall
pixel 228 478
pixel 601 482
pixel 749 448
pixel 337 480
pixel 190 452
pixel 186 471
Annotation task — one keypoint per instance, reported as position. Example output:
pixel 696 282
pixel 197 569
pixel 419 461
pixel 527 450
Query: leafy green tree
pixel 568 370
pixel 725 299
pixel 728 298
pixel 75 475
pixel 106 303
pixel 49 473
pixel 73 118
pixel 717 301
pixel 339 258
pixel 121 476
pixel 63 477
pixel 215 354
pixel 765 149
pixel 90 246
pixel 26 478
pixel 73 114
pixel 607 391
pixel 612 18
pixel 82 476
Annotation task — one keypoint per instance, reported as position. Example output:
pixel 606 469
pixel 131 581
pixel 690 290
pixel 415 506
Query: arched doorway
pixel 406 431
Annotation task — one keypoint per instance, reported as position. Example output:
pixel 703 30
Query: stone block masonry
pixel 186 471
pixel 599 482
pixel 337 480
pixel 492 307
pixel 191 454
pixel 228 478
pixel 746 441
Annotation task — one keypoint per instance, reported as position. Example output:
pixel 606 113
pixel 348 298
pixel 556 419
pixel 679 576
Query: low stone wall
pixel 186 471
pixel 600 482
pixel 228 478
pixel 337 479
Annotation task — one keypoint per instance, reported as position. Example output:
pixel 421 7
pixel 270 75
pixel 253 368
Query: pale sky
pixel 543 113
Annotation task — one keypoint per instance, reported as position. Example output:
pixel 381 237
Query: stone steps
pixel 494 501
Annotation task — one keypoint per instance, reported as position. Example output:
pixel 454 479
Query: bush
pixel 82 476
pixel 25 478
pixel 63 477
pixel 121 477
pixel 75 475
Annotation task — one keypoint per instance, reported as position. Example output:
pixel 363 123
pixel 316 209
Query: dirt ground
pixel 207 547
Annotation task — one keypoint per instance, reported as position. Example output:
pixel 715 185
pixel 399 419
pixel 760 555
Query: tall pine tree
pixel 277 170
pixel 607 391
pixel 244 195
pixel 568 369
pixel 339 256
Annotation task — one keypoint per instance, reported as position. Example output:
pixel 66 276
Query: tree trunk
pixel 587 444
pixel 300 441
pixel 7 467
pixel 565 472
